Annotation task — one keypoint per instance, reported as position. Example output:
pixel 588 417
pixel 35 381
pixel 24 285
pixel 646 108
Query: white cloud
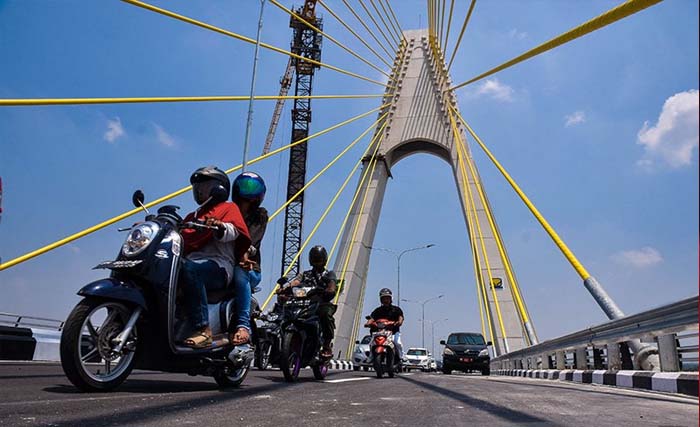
pixel 575 118
pixel 515 34
pixel 115 130
pixel 644 257
pixel 163 137
pixel 496 90
pixel 674 137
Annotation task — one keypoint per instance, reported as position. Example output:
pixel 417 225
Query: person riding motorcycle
pixel 248 193
pixel 391 312
pixel 324 280
pixel 210 255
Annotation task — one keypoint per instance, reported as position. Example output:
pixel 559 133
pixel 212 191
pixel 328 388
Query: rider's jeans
pixel 198 276
pixel 397 344
pixel 244 281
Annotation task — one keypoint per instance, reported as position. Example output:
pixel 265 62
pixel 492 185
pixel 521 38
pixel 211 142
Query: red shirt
pixel 225 212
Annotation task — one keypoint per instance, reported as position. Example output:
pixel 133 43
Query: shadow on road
pixel 503 412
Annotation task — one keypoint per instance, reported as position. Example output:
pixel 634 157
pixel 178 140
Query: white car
pixel 418 358
pixel 360 357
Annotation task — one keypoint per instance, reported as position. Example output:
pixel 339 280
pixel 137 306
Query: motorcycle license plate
pixel 466 359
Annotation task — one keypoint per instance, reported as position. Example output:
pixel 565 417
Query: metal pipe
pixel 249 123
pixel 121 338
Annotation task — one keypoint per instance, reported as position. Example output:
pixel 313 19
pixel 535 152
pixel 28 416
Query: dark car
pixel 466 352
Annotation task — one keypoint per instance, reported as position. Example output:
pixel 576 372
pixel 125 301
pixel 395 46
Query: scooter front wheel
pixel 290 356
pixel 87 352
pixel 378 363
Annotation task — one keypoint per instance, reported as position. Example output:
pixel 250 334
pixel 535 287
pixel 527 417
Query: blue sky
pixel 602 134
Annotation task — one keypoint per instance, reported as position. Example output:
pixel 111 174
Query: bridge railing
pixel 671 330
pixel 19 321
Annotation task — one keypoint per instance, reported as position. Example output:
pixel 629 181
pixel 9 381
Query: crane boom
pixel 285 84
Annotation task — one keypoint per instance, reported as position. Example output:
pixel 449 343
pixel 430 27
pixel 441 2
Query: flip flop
pixel 199 340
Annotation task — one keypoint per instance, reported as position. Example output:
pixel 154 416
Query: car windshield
pixel 366 339
pixel 470 339
pixel 414 352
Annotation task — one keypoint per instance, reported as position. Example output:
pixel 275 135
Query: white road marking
pixel 343 380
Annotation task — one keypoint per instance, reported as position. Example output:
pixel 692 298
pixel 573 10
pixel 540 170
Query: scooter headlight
pixel 139 238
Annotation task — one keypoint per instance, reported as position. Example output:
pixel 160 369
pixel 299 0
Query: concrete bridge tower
pixel 418 122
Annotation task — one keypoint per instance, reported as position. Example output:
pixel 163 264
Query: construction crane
pixel 285 84
pixel 306 42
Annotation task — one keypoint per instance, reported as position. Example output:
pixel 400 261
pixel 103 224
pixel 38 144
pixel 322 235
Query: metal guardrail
pixel 18 321
pixel 658 326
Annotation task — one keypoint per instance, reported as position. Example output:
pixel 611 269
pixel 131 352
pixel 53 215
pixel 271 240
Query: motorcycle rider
pixel 391 312
pixel 325 280
pixel 210 255
pixel 248 192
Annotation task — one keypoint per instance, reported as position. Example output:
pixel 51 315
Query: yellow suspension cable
pixel 391 42
pixel 461 33
pixel 354 33
pixel 393 15
pixel 78 101
pixel 393 26
pixel 246 39
pixel 353 235
pixel 331 38
pixel 318 223
pixel 483 245
pixel 624 10
pixel 322 171
pixel 481 288
pixel 548 228
pixel 387 27
pixel 449 24
pixel 160 200
pixel 371 33
pixel 497 237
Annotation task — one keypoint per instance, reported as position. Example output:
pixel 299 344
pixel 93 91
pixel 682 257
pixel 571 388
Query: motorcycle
pixel 131 320
pixel 385 358
pixel 267 340
pixel 301 334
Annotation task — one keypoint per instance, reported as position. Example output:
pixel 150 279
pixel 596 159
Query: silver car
pixel 360 357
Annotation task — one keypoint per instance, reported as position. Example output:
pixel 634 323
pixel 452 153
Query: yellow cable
pixel 398 24
pixel 389 42
pixel 353 235
pixel 483 245
pixel 322 171
pixel 127 214
pixel 77 101
pixel 497 237
pixel 387 27
pixel 318 223
pixel 245 39
pixel 449 24
pixel 624 10
pixel 393 26
pixel 318 30
pixel 461 33
pixel 371 33
pixel 548 228
pixel 354 33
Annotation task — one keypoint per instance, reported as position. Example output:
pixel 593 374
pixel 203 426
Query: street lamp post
pixel 422 303
pixel 432 332
pixel 398 264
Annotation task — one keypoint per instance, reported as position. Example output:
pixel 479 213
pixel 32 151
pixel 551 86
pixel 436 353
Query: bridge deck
pixel 39 394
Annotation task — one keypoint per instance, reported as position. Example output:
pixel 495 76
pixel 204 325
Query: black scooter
pixel 267 340
pixel 301 334
pixel 131 320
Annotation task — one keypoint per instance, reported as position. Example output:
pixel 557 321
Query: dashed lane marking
pixel 342 380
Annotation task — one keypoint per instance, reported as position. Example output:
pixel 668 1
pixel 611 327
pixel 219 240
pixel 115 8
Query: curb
pixel 18 343
pixel 670 382
pixel 342 365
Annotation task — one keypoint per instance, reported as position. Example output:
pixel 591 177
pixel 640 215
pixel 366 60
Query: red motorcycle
pixel 383 352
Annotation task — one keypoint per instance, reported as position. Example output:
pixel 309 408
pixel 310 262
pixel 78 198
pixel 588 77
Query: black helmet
pixel 249 186
pixel 204 185
pixel 318 257
pixel 385 292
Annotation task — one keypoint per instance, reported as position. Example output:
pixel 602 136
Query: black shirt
pixel 318 279
pixel 388 312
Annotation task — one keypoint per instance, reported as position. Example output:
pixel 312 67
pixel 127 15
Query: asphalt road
pixel 39 395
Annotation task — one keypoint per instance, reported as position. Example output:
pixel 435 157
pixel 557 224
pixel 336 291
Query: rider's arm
pixel 400 321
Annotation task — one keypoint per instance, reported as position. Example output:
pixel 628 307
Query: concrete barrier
pixel 19 343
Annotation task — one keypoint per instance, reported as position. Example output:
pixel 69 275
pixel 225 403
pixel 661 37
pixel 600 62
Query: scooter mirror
pixel 368 317
pixel 138 198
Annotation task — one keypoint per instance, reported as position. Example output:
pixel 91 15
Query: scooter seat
pixel 215 297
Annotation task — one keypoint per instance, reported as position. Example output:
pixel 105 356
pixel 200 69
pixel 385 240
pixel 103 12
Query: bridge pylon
pixel 419 122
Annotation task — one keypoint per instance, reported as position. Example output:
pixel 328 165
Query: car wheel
pixel 446 371
pixel 486 371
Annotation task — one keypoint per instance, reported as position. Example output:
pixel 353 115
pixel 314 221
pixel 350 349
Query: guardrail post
pixel 597 358
pixel 581 358
pixel 546 362
pixel 626 356
pixel 614 359
pixel 668 353
pixel 560 360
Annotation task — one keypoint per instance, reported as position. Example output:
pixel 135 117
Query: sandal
pixel 199 340
pixel 242 336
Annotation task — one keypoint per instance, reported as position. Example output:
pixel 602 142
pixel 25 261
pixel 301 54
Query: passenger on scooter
pixel 324 280
pixel 248 192
pixel 210 255
pixel 391 312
